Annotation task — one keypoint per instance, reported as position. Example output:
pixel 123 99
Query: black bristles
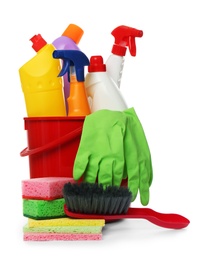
pixel 91 198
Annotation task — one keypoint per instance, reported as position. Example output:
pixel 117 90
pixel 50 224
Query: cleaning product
pixel 60 236
pixel 50 140
pixel 87 200
pixel 101 89
pixel 68 41
pixel 47 188
pixel 43 209
pixel 65 222
pixel 73 63
pixel 120 153
pixel 124 37
pixel 63 229
pixel 43 90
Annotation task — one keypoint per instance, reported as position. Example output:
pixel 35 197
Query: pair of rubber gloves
pixel 113 147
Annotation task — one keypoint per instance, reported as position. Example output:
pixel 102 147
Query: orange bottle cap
pixel 74 32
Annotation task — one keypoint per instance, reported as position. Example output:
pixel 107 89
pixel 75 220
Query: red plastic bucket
pixel 52 145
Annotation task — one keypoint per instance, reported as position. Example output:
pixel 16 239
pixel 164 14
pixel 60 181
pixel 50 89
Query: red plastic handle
pixel 66 138
pixel 165 220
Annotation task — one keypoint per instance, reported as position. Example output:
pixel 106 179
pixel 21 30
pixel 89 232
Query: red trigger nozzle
pixel 125 37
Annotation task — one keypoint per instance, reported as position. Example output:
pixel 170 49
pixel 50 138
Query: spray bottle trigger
pixel 65 69
pixel 131 46
pixel 74 58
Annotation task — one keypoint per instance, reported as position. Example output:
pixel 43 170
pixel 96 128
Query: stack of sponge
pixel 63 229
pixel 43 205
pixel 43 198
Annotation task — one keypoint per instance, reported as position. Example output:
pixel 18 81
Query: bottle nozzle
pixel 125 37
pixel 72 58
pixel 38 42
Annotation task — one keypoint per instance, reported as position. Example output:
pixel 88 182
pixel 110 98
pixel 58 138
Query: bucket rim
pixel 54 118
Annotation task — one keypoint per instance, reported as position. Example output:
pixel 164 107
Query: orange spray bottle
pixel 74 62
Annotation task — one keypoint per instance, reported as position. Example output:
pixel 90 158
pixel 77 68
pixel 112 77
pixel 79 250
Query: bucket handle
pixel 66 138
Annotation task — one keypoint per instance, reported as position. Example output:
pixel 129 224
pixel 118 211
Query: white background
pixel 162 83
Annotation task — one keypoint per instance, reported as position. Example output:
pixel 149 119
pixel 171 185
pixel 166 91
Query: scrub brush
pixel 93 201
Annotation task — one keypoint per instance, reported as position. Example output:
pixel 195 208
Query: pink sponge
pixel 60 236
pixel 47 188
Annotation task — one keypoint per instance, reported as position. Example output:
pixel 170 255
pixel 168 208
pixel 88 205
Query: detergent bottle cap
pixel 74 32
pixel 96 64
pixel 74 58
pixel 38 42
pixel 125 37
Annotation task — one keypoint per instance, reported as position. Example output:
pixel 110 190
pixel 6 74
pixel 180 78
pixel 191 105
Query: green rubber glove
pixel 144 178
pixel 113 147
pixel 100 156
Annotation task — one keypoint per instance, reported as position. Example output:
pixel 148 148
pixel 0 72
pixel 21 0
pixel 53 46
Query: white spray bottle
pixel 124 37
pixel 102 81
pixel 102 91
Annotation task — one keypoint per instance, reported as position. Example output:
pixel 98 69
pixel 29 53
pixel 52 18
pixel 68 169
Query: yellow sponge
pixel 64 229
pixel 65 222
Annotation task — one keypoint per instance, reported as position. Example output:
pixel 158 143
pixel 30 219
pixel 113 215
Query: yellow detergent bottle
pixel 43 89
